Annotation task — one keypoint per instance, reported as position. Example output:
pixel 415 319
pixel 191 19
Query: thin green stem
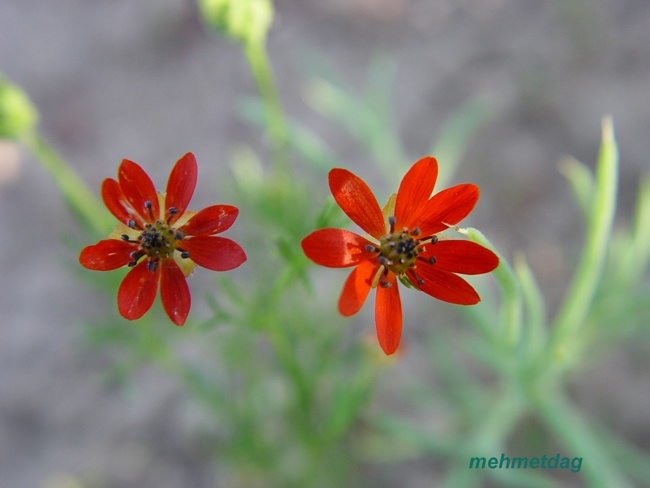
pixel 535 335
pixel 575 308
pixel 74 191
pixel 510 290
pixel 275 121
pixel 570 426
pixel 641 230
pixel 499 421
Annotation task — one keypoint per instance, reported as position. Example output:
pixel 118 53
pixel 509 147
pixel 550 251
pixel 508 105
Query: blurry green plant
pixel 18 116
pixel 533 359
pixel 289 388
pixel 19 122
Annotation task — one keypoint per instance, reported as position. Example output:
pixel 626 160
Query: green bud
pixel 243 20
pixel 18 116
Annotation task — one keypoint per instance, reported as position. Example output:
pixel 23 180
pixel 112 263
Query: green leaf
pixel 450 145
pixel 582 183
pixel 573 311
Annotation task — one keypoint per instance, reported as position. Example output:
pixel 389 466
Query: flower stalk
pixel 573 311
pixel 74 190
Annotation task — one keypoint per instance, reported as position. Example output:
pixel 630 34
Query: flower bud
pixel 243 20
pixel 18 116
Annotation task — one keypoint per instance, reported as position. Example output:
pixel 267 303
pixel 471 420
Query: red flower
pixel 406 246
pixel 161 247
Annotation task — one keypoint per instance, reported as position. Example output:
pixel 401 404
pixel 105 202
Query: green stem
pixel 510 290
pixel 641 231
pixel 570 426
pixel 276 125
pixel 74 191
pixel 575 308
pixel 499 421
pixel 535 337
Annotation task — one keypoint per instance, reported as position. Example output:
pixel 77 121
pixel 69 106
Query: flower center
pixel 158 240
pixel 399 251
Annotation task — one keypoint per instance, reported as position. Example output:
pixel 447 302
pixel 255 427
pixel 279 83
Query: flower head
pixel 402 244
pixel 160 239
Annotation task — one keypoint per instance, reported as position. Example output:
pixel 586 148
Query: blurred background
pixel 146 81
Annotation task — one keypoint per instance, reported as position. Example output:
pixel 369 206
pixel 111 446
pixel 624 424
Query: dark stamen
pixel 152 266
pixel 133 224
pixel 185 254
pixel 125 238
pixel 148 205
pixel 385 284
pixel 419 280
pixel 430 260
pixel 384 260
pixel 371 248
pixel 434 239
pixel 416 232
pixel 171 211
pixel 391 221
pixel 180 235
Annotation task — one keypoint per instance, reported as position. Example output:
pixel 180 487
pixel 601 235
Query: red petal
pixel 211 220
pixel 443 285
pixel 356 288
pixel 388 315
pixel 174 292
pixel 138 189
pixel 450 206
pixel 464 257
pixel 107 255
pixel 336 248
pixel 357 201
pixel 215 253
pixel 137 291
pixel 414 192
pixel 180 186
pixel 117 203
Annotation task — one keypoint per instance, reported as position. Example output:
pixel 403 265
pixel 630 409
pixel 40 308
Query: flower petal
pixel 215 253
pixel 107 255
pixel 450 206
pixel 388 315
pixel 336 248
pixel 174 292
pixel 357 201
pixel 356 288
pixel 137 291
pixel 138 189
pixel 180 186
pixel 464 257
pixel 117 203
pixel 211 220
pixel 414 192
pixel 443 285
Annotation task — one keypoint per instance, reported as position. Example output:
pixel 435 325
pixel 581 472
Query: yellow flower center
pixel 158 240
pixel 399 251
